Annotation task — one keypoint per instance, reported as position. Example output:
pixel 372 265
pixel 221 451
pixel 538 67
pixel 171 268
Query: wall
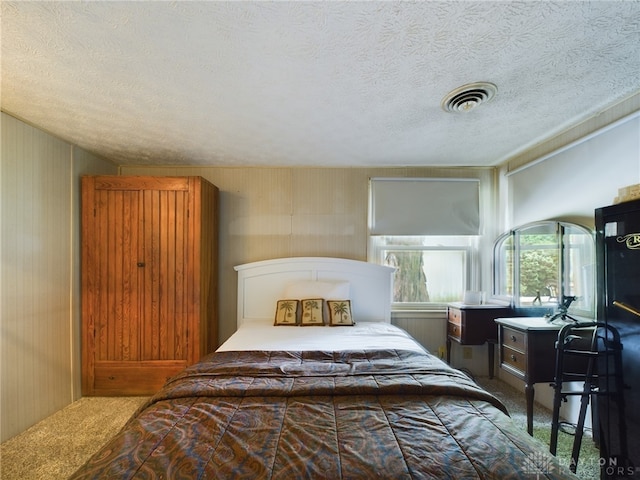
pixel 282 212
pixel 572 183
pixel 38 273
pixel 569 185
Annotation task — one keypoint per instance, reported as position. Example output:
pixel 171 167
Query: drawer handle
pixel 513 357
pixel 514 338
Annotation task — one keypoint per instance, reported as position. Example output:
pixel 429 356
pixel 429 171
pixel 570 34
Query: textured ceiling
pixel 313 83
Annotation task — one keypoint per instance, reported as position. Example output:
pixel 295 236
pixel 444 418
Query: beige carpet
pixel 57 446
pixel 54 448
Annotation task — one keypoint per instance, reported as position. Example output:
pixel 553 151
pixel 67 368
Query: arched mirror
pixel 540 265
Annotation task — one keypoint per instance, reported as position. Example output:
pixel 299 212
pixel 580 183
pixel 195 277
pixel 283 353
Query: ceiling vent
pixel 468 97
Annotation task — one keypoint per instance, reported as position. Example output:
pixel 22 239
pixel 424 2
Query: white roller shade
pixel 424 206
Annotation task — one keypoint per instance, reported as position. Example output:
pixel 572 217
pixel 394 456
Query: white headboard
pixel 261 284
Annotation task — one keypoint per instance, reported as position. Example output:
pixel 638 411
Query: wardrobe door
pixel 137 281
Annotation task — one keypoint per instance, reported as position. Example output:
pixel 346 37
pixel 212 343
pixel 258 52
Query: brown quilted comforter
pixel 321 415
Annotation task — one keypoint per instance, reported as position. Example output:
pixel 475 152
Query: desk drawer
pixel 454 324
pixel 514 339
pixel 514 358
pixel 455 316
pixel 454 330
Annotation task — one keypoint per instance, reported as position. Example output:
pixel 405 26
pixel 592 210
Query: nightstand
pixel 527 351
pixel 474 325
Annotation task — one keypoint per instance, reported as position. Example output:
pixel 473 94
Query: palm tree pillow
pixel 312 311
pixel 287 312
pixel 340 313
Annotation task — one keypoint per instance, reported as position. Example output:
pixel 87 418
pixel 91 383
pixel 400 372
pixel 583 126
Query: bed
pixel 327 391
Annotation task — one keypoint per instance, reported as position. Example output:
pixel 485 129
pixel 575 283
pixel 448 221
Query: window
pixel 430 270
pixel 540 264
pixel 427 228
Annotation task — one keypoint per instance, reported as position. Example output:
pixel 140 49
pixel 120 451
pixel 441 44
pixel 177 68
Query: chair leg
pixel 584 402
pixel 555 421
pixel 553 441
pixel 557 394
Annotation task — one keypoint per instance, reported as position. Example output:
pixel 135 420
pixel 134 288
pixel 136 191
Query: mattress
pixel 263 335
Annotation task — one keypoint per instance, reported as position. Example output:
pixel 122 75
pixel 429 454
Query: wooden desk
pixel 527 351
pixel 474 325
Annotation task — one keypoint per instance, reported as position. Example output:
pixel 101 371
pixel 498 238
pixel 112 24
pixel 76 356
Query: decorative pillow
pixel 286 312
pixel 340 313
pixel 315 289
pixel 312 311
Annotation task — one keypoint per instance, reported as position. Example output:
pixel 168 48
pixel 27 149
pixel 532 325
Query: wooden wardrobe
pixel 149 280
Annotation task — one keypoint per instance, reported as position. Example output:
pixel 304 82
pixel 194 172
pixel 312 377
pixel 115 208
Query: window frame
pixel 478 257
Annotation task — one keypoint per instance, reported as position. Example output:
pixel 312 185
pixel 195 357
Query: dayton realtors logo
pixel 632 240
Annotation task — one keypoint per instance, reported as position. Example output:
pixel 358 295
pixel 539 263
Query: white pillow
pixel 314 289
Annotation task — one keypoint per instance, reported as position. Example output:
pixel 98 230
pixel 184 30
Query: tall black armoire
pixel 618 265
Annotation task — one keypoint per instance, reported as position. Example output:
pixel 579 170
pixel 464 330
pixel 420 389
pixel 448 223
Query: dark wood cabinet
pixel 474 325
pixel 149 280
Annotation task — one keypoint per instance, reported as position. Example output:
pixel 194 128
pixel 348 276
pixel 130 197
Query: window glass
pixel 579 279
pixel 429 270
pixel 538 262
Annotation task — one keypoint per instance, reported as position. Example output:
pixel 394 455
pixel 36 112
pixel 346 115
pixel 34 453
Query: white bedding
pixel 263 335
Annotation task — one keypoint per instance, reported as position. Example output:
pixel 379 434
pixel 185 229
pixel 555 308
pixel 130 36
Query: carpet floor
pixel 58 445
pixel 55 447
pixel 588 467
